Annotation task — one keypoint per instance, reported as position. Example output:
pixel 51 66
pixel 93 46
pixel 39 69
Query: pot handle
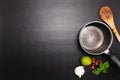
pixel 114 58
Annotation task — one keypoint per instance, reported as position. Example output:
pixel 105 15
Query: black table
pixel 39 38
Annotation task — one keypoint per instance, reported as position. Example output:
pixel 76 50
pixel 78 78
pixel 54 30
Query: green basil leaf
pixel 106 65
pixel 104 71
pixel 101 65
pixel 96 71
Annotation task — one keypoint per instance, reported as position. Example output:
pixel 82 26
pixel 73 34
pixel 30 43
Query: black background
pixel 38 38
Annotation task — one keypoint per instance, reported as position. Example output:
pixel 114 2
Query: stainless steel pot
pixel 96 38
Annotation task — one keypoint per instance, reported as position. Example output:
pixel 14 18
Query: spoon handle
pixel 114 30
pixel 107 16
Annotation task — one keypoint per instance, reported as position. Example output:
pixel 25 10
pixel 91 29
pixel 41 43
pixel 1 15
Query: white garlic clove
pixel 79 71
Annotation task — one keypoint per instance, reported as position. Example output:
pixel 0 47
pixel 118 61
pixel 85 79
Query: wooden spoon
pixel 107 16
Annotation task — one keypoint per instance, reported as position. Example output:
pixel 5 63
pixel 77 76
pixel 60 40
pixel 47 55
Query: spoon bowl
pixel 107 16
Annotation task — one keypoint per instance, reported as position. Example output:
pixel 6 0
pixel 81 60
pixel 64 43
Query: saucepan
pixel 96 38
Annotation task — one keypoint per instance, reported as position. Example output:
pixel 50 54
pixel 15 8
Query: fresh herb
pixel 103 66
pixel 104 71
pixel 106 64
pixel 96 71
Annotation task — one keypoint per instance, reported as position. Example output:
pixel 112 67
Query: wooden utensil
pixel 107 16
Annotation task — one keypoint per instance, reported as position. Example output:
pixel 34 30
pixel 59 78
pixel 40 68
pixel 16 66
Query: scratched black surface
pixel 38 38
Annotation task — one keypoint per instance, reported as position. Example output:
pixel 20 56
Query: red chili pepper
pixel 93 60
pixel 92 66
pixel 97 62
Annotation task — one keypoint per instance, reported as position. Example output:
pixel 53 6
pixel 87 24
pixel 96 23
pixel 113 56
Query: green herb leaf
pixel 104 71
pixel 101 65
pixel 106 65
pixel 96 71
